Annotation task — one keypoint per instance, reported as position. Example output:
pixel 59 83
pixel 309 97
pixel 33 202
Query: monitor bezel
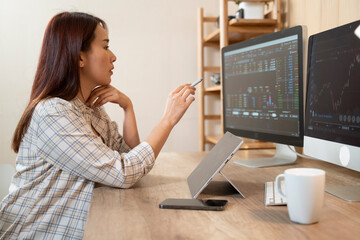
pixel 276 138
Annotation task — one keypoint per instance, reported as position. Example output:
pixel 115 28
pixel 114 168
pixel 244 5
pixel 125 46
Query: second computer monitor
pixel 332 119
pixel 263 90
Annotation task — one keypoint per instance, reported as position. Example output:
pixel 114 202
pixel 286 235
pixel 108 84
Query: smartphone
pixel 196 82
pixel 194 204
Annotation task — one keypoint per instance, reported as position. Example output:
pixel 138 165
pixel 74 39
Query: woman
pixel 66 142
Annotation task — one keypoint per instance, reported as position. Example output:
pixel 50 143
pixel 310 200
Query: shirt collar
pixel 81 106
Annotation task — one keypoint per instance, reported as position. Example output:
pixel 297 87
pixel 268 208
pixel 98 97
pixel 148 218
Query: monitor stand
pixel 283 156
pixel 347 193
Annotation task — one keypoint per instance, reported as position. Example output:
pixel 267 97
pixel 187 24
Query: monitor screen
pixel 262 87
pixel 333 101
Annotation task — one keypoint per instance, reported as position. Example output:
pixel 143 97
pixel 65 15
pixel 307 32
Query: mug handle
pixel 278 186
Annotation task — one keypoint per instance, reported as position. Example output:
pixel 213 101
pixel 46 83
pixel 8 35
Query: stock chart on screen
pixel 262 90
pixel 335 75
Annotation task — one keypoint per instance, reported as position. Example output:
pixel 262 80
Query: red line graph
pixel 336 103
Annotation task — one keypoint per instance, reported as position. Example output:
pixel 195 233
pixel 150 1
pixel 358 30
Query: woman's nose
pixel 113 57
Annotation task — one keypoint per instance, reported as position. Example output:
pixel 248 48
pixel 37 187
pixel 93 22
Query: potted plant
pixel 250 10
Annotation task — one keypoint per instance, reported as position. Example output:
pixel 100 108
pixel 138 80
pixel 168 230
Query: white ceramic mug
pixel 304 189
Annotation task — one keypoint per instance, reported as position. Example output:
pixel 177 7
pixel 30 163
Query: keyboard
pixel 271 198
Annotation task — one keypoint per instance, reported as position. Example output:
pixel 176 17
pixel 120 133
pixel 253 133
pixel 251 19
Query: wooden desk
pixel 134 213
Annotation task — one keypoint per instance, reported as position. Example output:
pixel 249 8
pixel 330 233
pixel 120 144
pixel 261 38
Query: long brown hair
pixel 57 74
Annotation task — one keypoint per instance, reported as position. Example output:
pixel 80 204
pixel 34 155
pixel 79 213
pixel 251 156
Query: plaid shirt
pixel 59 160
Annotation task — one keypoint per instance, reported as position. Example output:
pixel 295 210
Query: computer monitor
pixel 332 114
pixel 262 80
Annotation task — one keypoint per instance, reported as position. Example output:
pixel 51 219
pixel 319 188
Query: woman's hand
pixel 178 102
pixel 104 94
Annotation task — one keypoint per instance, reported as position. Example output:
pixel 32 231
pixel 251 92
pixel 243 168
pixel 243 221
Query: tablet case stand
pixel 213 163
pixel 222 186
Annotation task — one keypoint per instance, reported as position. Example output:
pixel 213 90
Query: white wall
pixel 155 45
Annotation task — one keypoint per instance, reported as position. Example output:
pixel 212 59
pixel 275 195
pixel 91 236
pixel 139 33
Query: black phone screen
pixel 194 204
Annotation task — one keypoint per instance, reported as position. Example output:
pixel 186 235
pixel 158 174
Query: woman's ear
pixel 82 60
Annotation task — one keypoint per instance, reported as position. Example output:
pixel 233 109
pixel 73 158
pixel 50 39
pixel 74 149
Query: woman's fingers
pixel 105 94
pixel 96 94
pixel 179 89
pixel 188 92
pixel 178 103
pixel 102 99
pixel 182 90
pixel 189 101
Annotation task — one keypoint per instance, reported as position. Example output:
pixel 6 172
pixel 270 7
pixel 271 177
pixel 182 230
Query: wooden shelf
pixel 212 139
pixel 229 32
pixel 242 29
pixel 216 117
pixel 213 89
pixel 210 19
pixel 252 22
pixel 215 69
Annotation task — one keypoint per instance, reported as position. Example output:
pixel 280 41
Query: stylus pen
pixel 196 82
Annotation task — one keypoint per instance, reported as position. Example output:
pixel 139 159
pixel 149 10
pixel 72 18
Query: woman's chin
pixel 107 82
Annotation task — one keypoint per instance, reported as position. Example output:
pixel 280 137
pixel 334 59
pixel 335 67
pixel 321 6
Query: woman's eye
pixel 106 48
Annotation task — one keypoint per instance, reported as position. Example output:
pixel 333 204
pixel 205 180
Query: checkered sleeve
pixel 67 142
pixel 116 141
